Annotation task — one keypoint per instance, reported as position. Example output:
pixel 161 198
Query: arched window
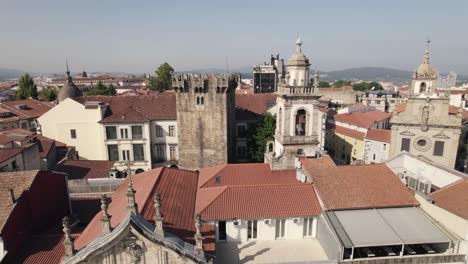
pixel 300 122
pixel 138 171
pixel 218 90
pixel 202 101
pixel 205 86
pixel 198 100
pixel 422 87
pixel 186 84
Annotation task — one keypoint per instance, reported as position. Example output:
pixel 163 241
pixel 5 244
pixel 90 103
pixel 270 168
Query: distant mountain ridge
pixel 368 74
pixel 6 73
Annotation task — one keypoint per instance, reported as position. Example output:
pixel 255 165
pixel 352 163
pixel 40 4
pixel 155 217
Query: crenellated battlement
pixel 204 83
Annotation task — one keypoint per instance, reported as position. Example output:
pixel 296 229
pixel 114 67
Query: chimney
pixel 11 195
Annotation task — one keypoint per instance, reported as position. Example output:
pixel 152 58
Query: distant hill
pixel 368 74
pixel 6 74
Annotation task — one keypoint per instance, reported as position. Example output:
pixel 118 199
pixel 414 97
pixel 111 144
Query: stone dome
pixel 425 69
pixel 69 89
pixel 298 58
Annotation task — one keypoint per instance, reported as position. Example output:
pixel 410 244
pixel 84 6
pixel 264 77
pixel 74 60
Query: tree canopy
pixel 341 83
pixel 26 88
pixel 323 84
pixel 365 86
pixel 259 135
pixel 48 94
pixel 101 89
pixel 162 80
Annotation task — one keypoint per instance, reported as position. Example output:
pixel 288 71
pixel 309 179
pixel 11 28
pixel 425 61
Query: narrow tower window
pixel 300 122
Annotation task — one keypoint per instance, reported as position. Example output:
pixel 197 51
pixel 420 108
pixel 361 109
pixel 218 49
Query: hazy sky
pixel 137 36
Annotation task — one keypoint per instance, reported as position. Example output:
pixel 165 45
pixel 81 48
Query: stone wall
pixel 205 119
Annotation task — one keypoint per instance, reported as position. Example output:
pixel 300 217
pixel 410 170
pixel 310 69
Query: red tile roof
pixel 136 108
pixel 245 174
pixel 178 193
pixel 346 131
pixel 453 198
pixel 8 153
pixel 362 119
pixel 383 135
pixel 85 169
pixel 359 186
pixel 34 109
pixel 253 191
pixel 256 103
pixel 258 201
pixel 18 181
pixel 453 110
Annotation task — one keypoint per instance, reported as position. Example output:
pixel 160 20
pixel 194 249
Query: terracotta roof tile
pixel 453 198
pixel 85 169
pixel 136 108
pixel 178 193
pixel 362 119
pixel 360 186
pixel 346 131
pixel 256 103
pixel 259 201
pixel 18 181
pixel 8 153
pixel 383 135
pixel 34 109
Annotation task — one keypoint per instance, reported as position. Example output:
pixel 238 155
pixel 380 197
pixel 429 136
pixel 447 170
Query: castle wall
pixel 205 119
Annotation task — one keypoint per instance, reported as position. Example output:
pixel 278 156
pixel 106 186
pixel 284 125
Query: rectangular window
pixel 439 148
pixel 137 132
pixel 171 131
pixel 280 228
pixel 251 229
pixel 222 231
pixel 307 227
pixel 113 152
pixel 172 152
pixel 111 132
pixel 125 154
pixel 123 133
pixel 159 131
pixel 373 156
pixel 14 165
pixel 160 152
pixel 405 144
pixel 72 133
pixel 241 130
pixel 138 153
pixel 384 147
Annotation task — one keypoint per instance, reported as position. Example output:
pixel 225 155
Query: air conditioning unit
pixel 424 186
pixel 412 183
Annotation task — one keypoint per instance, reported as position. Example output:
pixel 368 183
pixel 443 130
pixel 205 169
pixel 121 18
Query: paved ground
pixel 275 251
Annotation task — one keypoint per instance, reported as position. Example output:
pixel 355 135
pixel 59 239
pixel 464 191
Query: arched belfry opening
pixel 422 87
pixel 300 126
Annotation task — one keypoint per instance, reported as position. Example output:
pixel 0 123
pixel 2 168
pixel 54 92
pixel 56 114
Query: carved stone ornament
pixel 422 144
pixel 407 133
pixel 442 135
pixel 135 250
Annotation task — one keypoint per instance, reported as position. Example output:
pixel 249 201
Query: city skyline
pixel 137 37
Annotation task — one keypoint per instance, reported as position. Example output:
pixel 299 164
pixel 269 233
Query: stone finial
pixel 105 218
pixel 198 235
pixel 131 202
pixel 316 80
pixel 68 242
pixel 158 218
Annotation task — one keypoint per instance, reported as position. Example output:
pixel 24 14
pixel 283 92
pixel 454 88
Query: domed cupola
pixel 298 67
pixel 298 58
pixel 425 69
pixel 69 89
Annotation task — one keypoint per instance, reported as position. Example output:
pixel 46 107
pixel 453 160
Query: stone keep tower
pixel 298 121
pixel 424 77
pixel 205 118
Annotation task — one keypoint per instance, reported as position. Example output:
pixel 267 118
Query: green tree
pixel 26 88
pixel 323 84
pixel 259 135
pixel 48 94
pixel 162 80
pixel 341 83
pixel 101 89
pixel 364 86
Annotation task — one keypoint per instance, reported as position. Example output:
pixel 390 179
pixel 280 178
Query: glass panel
pixel 138 153
pixel 111 132
pixel 113 152
pixel 137 132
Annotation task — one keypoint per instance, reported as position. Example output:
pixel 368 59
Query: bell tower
pixel 298 121
pixel 424 77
